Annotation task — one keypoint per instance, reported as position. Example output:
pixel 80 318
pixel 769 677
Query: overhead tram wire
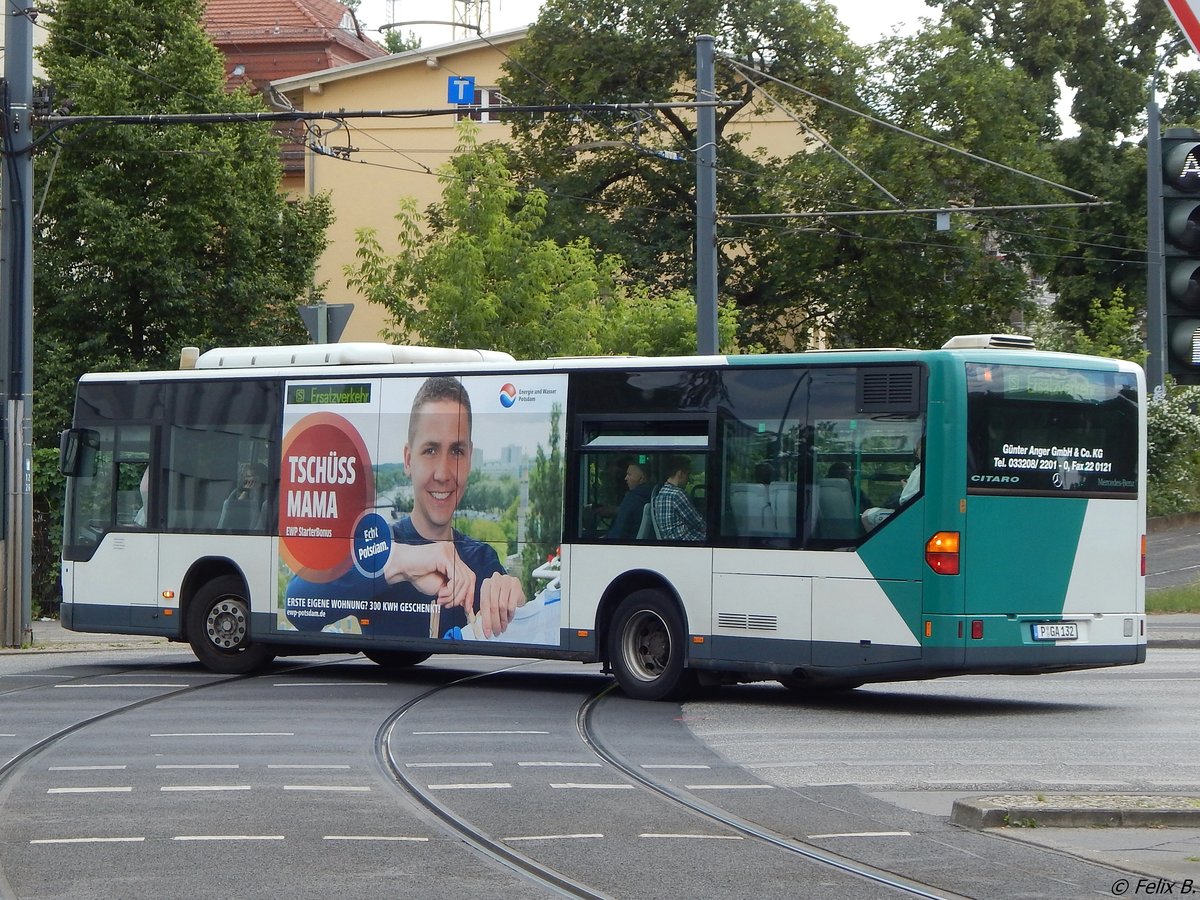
pixel 743 68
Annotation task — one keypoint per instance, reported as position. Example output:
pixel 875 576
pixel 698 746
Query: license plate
pixel 1055 631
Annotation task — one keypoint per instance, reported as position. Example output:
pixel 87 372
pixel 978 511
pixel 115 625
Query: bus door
pixel 111 531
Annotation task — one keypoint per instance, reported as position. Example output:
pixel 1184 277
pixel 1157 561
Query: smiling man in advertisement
pixel 353 571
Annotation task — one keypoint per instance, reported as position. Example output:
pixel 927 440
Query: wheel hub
pixel 226 624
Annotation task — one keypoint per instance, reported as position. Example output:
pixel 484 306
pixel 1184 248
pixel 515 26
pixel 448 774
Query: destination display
pixel 1040 430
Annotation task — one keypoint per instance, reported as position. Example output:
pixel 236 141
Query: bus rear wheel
pixel 646 648
pixel 218 627
pixel 396 659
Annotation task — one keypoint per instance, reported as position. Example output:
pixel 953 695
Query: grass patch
pixel 1184 599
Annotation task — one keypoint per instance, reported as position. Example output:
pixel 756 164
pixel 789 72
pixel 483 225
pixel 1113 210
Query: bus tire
pixel 396 659
pixel 646 648
pixel 218 627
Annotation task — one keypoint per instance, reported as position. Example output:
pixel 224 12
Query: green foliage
pixel 48 488
pixel 484 278
pixel 608 175
pixel 1174 450
pixel 149 239
pixel 1182 599
pixel 395 42
pixel 1113 329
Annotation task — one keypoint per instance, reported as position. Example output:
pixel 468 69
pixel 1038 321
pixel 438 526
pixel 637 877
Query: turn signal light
pixel 941 552
pixel 1143 554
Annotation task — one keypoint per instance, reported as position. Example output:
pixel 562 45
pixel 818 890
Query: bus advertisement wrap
pixel 422 508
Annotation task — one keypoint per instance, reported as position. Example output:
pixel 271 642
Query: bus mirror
pixel 77 452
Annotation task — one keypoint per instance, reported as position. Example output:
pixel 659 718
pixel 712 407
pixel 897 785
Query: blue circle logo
pixel 372 544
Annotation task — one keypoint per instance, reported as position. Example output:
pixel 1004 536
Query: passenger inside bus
pixel 629 514
pixel 874 516
pixel 245 507
pixel 139 518
pixel 675 518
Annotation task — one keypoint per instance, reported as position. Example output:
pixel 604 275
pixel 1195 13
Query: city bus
pixel 824 519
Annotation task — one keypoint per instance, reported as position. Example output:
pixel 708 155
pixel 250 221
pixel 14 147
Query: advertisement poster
pixel 426 507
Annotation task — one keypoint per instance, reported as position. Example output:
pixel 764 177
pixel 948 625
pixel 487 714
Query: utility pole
pixel 706 198
pixel 16 320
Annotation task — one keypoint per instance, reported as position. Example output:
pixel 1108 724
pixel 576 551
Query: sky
pixel 867 20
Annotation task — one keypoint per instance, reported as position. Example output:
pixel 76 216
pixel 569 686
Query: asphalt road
pixel 277 785
pixel 1173 555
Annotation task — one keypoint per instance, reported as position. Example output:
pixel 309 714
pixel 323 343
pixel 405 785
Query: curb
pixel 1094 811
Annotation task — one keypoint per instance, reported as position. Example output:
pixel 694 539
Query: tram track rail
pixel 564 885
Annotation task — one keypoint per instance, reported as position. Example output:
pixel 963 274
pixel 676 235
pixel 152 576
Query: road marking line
pixel 550 837
pixel 781 765
pixel 374 837
pixel 307 766
pixel 813 837
pixel 327 787
pixel 196 766
pixel 672 766
pixel 730 787
pixel 449 765
pixel 470 787
pixel 478 732
pixel 202 787
pixel 89 840
pixel 83 768
pixel 90 790
pixel 228 837
pixel 329 684
pixel 565 765
pixel 122 684
pixel 223 734
pixel 703 837
pixel 583 785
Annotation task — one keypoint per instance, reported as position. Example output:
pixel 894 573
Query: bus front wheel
pixel 218 625
pixel 646 648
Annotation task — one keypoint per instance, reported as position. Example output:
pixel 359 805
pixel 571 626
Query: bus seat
pixel 783 502
pixel 648 530
pixel 751 503
pixel 836 513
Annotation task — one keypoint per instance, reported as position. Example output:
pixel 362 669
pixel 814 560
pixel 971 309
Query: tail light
pixel 941 552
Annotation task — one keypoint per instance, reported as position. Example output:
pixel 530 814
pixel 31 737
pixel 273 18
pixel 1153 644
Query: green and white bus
pixel 823 519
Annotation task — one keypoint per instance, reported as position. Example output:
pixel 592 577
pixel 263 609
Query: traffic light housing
pixel 1181 246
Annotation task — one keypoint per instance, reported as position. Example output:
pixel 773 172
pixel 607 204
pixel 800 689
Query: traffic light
pixel 1181 244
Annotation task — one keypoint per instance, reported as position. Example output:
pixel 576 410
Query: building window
pixel 488 101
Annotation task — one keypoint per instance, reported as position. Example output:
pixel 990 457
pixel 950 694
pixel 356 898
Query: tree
pixel 152 238
pixel 480 275
pixel 1104 51
pixel 628 183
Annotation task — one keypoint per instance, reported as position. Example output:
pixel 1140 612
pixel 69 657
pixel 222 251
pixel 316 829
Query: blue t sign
pixel 461 90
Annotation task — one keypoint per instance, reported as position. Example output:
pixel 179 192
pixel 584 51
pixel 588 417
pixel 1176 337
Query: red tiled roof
pixel 286 22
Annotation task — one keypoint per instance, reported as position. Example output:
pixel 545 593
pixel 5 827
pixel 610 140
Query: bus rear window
pixel 1043 431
